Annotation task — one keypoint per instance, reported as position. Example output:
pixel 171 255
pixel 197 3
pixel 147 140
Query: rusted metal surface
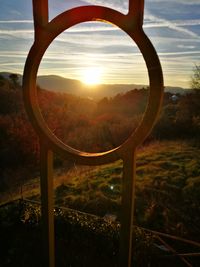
pixel 45 33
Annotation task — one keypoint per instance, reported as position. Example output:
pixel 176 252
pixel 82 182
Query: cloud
pixel 186 46
pixel 15 21
pixel 157 22
pixel 15 32
pixel 96 40
pixel 170 40
pixel 185 2
pixel 19 34
pixel 11 55
pixel 92 27
pixel 12 64
pixel 180 53
pixel 15 12
pixel 120 5
pixel 154 21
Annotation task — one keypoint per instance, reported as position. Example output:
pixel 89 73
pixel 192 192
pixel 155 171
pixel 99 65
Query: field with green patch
pixel 167 188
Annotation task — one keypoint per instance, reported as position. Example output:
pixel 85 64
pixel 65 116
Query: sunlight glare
pixel 92 76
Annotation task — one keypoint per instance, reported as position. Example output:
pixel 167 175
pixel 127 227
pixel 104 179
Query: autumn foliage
pixel 86 124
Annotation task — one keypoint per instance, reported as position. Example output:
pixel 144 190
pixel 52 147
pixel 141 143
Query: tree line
pixel 85 124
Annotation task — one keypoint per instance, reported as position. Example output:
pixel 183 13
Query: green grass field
pixel 167 188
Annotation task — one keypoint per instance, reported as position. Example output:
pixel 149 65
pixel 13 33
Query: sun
pixel 92 76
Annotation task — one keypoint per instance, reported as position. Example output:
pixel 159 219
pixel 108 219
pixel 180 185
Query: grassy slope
pixel 167 188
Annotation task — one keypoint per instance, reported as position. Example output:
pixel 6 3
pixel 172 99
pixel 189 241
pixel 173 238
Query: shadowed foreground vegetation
pixel 81 240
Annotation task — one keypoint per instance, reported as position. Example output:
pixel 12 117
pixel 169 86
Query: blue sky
pixel 173 26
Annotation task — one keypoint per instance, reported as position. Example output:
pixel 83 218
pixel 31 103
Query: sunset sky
pixel 173 26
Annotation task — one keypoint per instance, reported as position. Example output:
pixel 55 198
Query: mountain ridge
pixel 60 84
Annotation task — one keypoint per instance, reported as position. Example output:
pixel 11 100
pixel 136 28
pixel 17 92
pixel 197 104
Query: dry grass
pixel 167 187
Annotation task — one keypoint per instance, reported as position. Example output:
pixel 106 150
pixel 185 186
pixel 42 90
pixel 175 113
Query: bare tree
pixel 195 79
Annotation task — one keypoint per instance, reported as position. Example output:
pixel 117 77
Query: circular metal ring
pixel 47 35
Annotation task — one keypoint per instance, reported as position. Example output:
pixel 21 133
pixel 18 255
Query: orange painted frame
pixel 45 33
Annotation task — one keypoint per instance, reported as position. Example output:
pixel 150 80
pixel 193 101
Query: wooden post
pixel 46 183
pixel 136 11
pixel 40 15
pixel 128 194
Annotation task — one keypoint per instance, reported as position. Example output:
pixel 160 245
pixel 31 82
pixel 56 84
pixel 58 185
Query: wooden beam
pixel 136 10
pixel 46 183
pixel 40 14
pixel 128 195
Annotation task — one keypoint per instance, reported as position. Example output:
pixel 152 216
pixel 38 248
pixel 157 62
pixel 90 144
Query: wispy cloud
pixel 15 12
pixel 186 46
pixel 157 22
pixel 17 34
pixel 15 21
pixel 92 27
pixel 185 2
pixel 180 53
pixel 191 22
pixel 120 5
pixel 174 25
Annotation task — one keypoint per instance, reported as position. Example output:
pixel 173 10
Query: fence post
pixel 47 200
pixel 127 212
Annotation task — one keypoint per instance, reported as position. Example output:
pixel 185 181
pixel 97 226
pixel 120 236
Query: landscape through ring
pixel 59 24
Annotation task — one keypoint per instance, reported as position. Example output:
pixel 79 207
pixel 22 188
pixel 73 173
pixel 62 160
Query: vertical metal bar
pixel 128 193
pixel 46 182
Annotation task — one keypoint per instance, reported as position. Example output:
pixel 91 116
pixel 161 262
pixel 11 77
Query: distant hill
pixel 75 87
pixel 59 84
pixel 71 86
